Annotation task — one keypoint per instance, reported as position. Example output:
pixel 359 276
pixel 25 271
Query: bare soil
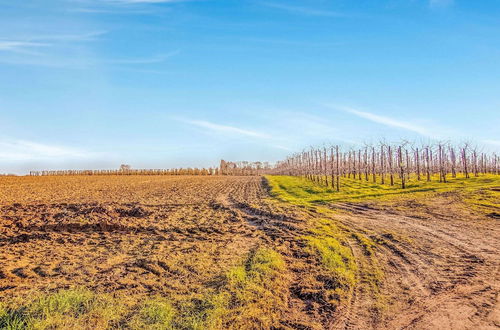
pixel 175 236
pixel 441 270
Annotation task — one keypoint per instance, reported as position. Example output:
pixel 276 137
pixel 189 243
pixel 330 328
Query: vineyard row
pixel 388 164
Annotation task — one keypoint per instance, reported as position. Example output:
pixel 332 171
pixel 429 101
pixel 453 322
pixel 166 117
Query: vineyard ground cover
pixel 482 192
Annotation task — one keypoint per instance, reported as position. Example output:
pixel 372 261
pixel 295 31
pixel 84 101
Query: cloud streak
pixel 52 51
pixel 225 129
pixel 20 46
pixel 21 150
pixel 27 44
pixel 388 121
pixel 81 62
pixel 90 36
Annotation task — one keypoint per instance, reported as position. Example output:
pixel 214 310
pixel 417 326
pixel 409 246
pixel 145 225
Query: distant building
pixel 125 167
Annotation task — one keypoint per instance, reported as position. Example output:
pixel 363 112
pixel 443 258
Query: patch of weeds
pixel 367 244
pixel 73 308
pixel 154 313
pixel 252 296
pixel 257 291
pixel 326 241
pixel 11 319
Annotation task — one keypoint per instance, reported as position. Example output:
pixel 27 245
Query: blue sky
pixel 158 84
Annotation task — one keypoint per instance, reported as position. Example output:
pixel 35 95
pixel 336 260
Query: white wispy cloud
pixel 81 62
pixel 30 45
pixel 226 129
pixel 303 10
pixel 37 40
pixel 278 146
pixel 20 46
pixel 21 150
pixel 145 60
pixel 52 51
pixel 89 36
pixel 387 121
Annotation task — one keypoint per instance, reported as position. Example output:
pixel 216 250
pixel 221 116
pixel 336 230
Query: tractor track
pixel 438 274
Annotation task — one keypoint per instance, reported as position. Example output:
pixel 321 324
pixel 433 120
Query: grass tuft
pixel 155 313
pixel 257 291
pixel 73 308
pixel 11 319
pixel 328 242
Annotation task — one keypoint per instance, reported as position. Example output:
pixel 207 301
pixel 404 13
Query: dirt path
pixel 440 273
pixel 282 226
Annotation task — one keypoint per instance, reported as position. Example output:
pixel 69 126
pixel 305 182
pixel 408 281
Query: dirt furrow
pixel 433 272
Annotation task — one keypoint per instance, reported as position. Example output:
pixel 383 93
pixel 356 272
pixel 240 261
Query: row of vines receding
pixel 389 164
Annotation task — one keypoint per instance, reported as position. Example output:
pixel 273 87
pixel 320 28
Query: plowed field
pixel 346 265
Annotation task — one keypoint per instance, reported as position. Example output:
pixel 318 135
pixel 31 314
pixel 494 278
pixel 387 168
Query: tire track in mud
pixel 282 227
pixel 439 278
pixel 356 313
pixel 434 278
pixel 434 271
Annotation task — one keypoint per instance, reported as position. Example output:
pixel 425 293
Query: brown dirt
pixel 175 236
pixel 137 234
pixel 440 271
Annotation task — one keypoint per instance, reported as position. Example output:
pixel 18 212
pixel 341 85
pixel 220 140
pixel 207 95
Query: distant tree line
pixel 175 171
pixel 244 168
pixel 226 168
pixel 384 163
pixel 388 163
